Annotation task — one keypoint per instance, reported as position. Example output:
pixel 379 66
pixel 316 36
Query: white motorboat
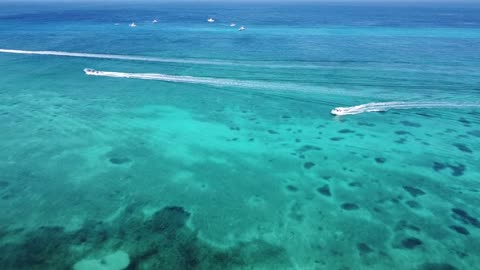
pixel 155 21
pixel 358 109
pixel 233 25
pixel 90 71
pixel 340 111
pixel 242 28
pixel 132 24
pixel 210 20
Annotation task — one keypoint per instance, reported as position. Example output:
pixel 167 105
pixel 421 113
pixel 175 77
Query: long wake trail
pixel 157 59
pixel 235 63
pixel 118 57
pixel 220 82
pixel 401 105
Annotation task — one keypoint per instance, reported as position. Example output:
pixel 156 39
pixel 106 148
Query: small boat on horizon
pixel 155 21
pixel 242 28
pixel 233 25
pixel 210 20
pixel 132 24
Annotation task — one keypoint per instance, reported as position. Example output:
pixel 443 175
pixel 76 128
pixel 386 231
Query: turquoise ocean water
pixel 222 153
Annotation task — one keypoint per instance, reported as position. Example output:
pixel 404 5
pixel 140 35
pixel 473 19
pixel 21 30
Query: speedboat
pixel 242 28
pixel 210 20
pixel 370 107
pixel 132 24
pixel 233 25
pixel 90 71
pixel 340 111
pixel 155 21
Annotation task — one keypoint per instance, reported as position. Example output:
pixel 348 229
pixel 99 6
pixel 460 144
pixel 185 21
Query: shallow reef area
pixel 162 241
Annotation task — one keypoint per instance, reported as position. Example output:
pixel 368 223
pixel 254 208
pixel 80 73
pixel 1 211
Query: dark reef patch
pixel 355 184
pixel 413 204
pixel 475 133
pixel 411 243
pixel 413 191
pixel 366 124
pixel 462 147
pixel 380 160
pixel 119 160
pixel 7 196
pixel 464 217
pixel 336 139
pixel 457 170
pixel 4 184
pixel 437 166
pixel 350 206
pixel 459 229
pixel 402 132
pixel 346 130
pixel 464 121
pixel 437 266
pixel 307 148
pixel 272 131
pixel 169 219
pixel 292 188
pixel 37 249
pixel 308 165
pixel 296 212
pixel 364 248
pixel 410 124
pixel 325 190
pixel 403 225
pixel 162 242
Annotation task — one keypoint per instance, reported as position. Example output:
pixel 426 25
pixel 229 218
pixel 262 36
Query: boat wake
pixel 158 59
pixel 173 78
pixel 399 105
pixel 221 82
pixel 118 57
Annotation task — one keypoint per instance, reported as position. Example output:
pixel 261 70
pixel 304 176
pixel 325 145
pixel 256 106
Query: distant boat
pixel 233 25
pixel 210 20
pixel 132 24
pixel 242 28
pixel 155 21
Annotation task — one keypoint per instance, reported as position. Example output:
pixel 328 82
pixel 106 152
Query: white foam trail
pixel 255 64
pixel 399 105
pixel 206 81
pixel 157 59
pixel 119 57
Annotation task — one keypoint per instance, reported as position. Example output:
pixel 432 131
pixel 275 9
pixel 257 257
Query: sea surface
pixel 198 146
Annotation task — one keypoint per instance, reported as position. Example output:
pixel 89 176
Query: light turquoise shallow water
pixel 258 175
